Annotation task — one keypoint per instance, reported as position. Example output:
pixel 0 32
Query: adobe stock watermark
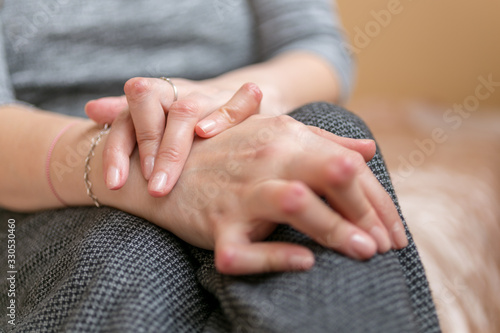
pixel 26 27
pixel 11 272
pixel 380 19
pixel 454 118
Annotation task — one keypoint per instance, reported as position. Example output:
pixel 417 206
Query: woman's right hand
pixel 238 186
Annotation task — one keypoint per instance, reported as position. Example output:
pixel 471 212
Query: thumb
pixel 104 110
pixel 244 103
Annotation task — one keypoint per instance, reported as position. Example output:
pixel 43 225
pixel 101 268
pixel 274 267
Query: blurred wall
pixel 425 49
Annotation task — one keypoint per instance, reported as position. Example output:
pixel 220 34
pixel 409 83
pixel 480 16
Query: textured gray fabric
pixel 60 53
pixel 102 270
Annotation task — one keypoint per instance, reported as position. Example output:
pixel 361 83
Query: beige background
pixel 430 50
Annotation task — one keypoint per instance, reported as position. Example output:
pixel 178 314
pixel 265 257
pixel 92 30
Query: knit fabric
pixel 103 270
pixel 59 54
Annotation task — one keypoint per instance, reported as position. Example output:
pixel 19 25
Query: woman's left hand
pixel 164 128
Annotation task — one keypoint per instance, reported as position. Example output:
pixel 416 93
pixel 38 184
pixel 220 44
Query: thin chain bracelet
pixel 88 183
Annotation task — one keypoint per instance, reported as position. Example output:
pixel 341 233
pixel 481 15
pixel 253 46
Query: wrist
pixel 67 165
pixel 68 170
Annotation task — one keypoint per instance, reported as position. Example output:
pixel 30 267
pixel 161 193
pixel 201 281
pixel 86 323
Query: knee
pixel 333 118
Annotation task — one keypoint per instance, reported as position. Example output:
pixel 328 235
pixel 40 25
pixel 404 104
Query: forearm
pixel 26 137
pixel 287 81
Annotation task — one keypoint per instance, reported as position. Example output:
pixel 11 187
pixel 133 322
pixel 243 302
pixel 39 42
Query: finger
pixel 338 179
pixel 105 110
pixel 242 105
pixel 117 151
pixel 252 258
pixel 148 117
pixel 343 191
pixel 294 203
pixel 176 144
pixel 365 147
pixel 385 209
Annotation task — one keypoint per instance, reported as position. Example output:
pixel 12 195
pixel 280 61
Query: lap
pixel 89 269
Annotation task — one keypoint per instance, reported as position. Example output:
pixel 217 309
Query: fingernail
pixel 302 263
pixel 149 164
pixel 158 182
pixel 112 177
pixel 399 235
pixel 207 125
pixel 382 238
pixel 362 247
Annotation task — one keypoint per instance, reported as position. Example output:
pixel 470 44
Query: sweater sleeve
pixel 6 91
pixel 312 25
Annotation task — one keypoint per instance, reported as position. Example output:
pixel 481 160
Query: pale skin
pixel 259 179
pixel 364 220
pixel 287 81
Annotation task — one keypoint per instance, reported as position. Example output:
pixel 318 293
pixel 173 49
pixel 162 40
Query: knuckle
pixel 224 259
pixel 344 168
pixel 286 120
pixel 253 90
pixel 185 109
pixel 339 172
pixel 228 114
pixel 271 150
pixel 290 126
pixel 148 136
pixel 292 199
pixel 171 154
pixel 137 87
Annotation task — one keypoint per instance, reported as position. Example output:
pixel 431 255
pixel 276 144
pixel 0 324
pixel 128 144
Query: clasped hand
pixel 236 187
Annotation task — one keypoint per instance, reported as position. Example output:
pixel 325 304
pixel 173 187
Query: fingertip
pixel 89 105
pixel 254 89
pixel 90 110
pixel 225 257
pixel 361 247
pixel 301 262
pixel 370 149
pixel 113 178
pixel 157 186
pixel 206 128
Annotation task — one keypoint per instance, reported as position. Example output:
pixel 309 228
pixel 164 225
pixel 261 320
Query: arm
pixel 234 190
pixel 26 136
pixel 301 44
pixel 287 81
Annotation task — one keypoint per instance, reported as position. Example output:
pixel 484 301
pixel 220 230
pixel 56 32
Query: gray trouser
pixel 90 270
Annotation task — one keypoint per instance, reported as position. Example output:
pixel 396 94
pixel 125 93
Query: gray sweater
pixel 58 54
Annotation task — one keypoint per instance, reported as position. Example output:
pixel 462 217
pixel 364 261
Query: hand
pixel 237 186
pixel 164 129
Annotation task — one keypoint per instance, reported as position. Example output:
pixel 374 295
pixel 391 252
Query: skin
pixel 164 129
pixel 251 178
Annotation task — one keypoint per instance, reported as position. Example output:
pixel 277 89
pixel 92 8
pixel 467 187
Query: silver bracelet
pixel 88 183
